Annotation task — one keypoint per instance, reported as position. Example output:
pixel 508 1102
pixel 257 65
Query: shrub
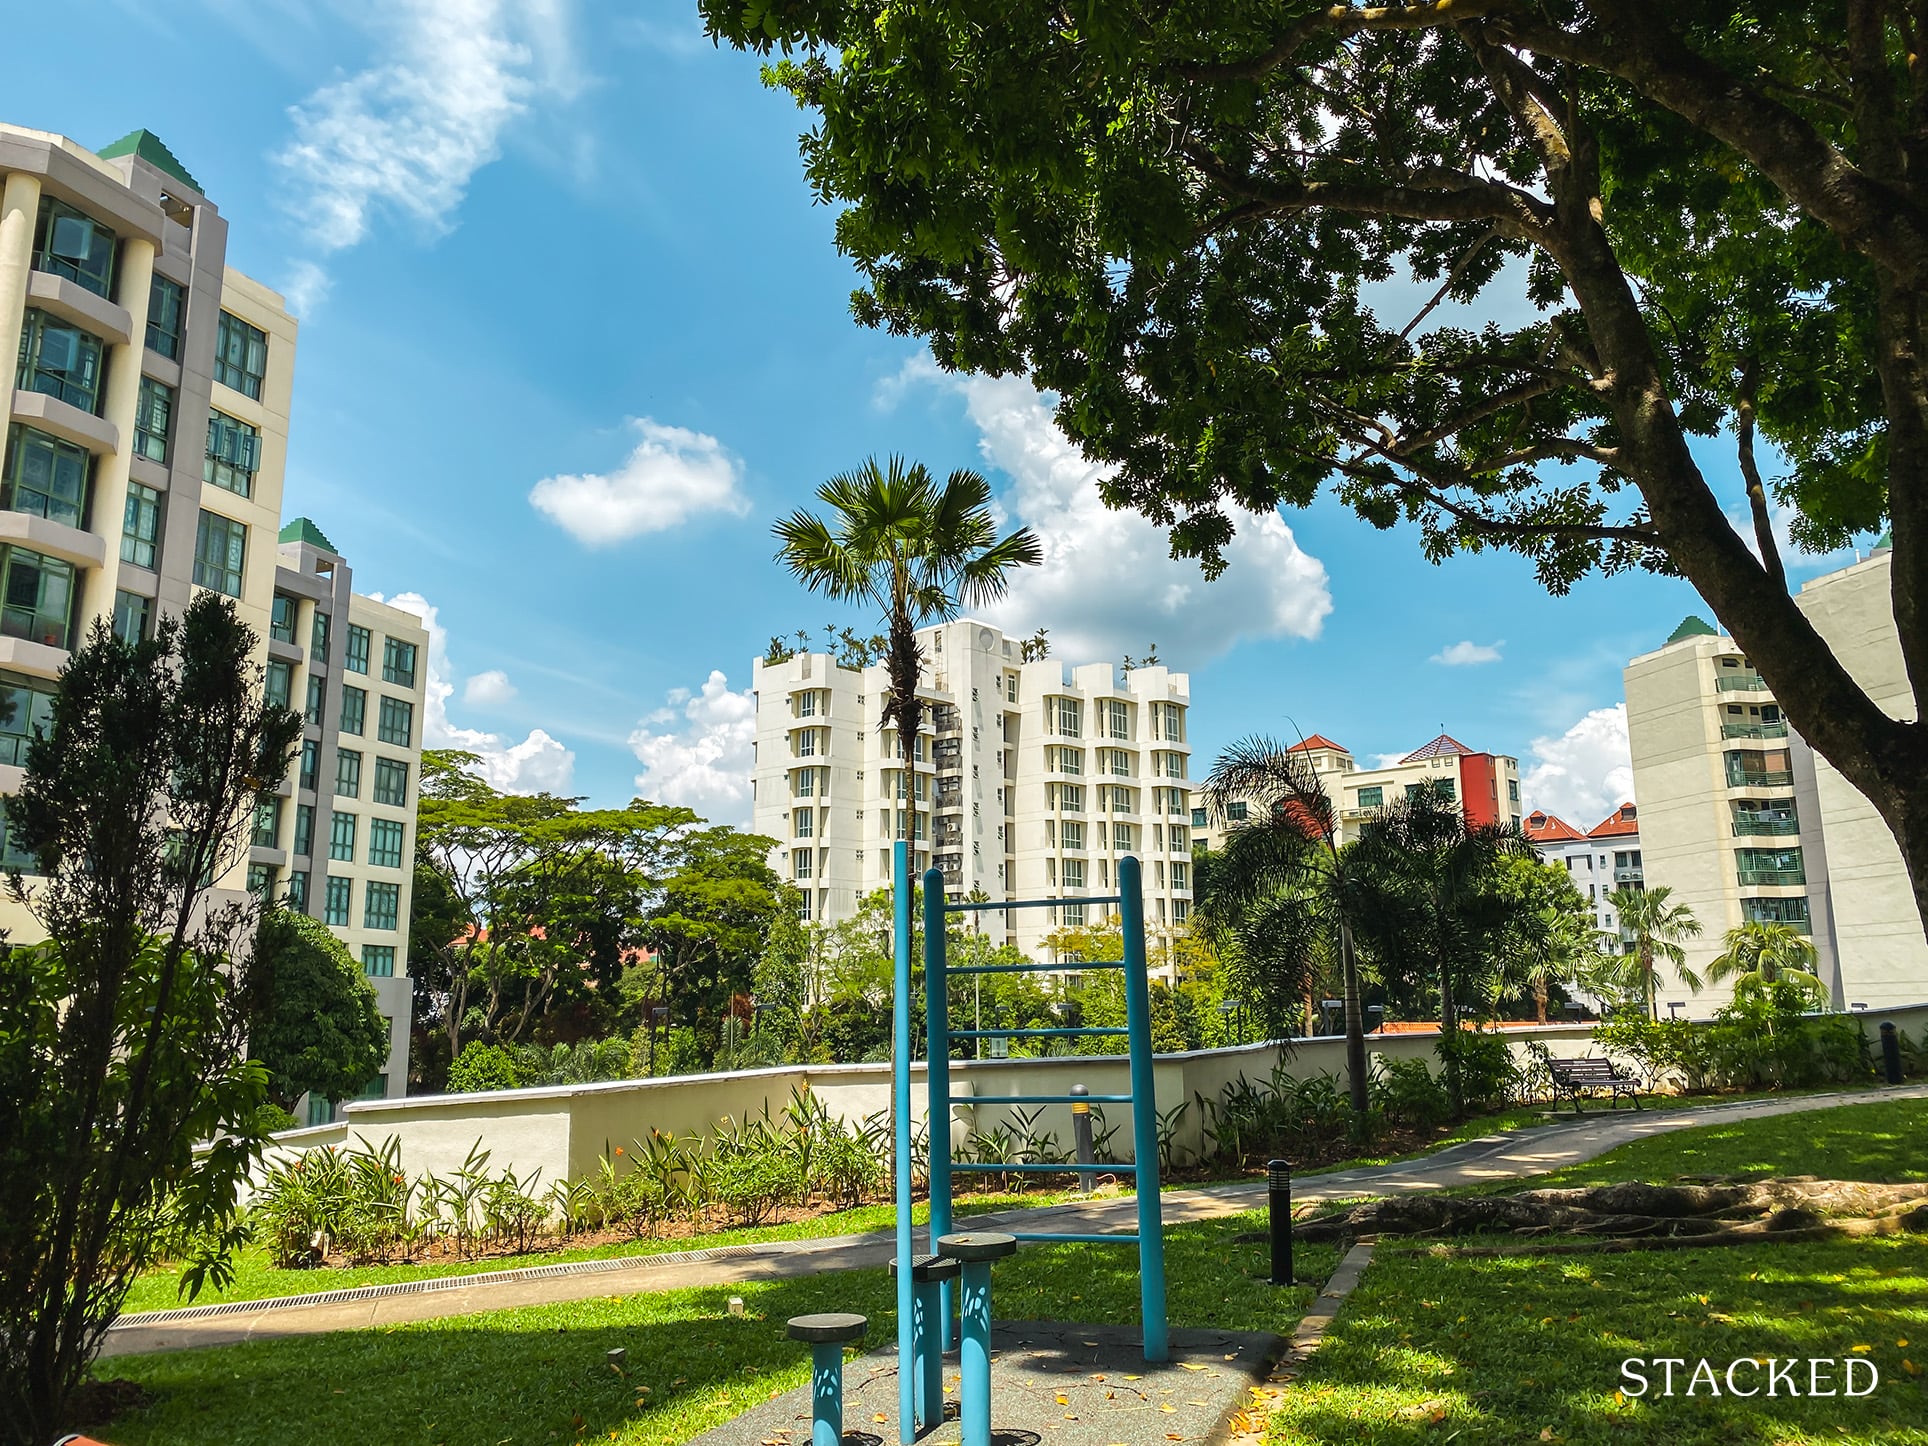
pixel 483 1067
pixel 754 1186
pixel 1483 1065
pixel 1404 1091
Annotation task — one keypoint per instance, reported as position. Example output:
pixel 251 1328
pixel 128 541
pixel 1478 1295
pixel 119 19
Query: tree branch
pixel 1343 20
pixel 1512 211
pixel 1751 473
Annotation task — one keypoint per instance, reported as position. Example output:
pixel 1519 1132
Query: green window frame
pixel 312 712
pixel 278 682
pixel 70 243
pixel 240 356
pixel 26 710
pixel 378 961
pixel 1373 797
pixel 298 891
pixel 304 828
pixel 153 420
pixel 220 553
pixel 141 526
pixel 59 360
pixel 281 623
pixel 133 617
pixel 382 906
pixel 347 773
pixel 36 597
pixel 46 476
pixel 336 902
pixel 385 839
pixel 267 823
pixel 398 662
pixel 166 300
pixel 1770 866
pixel 391 782
pixel 341 838
pixel 318 636
pixel 233 455
pixel 355 655
pixel 397 723
pixel 261 881
pixel 310 763
pixel 354 710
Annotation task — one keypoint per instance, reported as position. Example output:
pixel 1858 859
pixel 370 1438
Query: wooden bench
pixel 1571 1076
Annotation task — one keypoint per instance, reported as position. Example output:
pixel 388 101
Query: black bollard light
pixel 1891 1052
pixel 1081 1133
pixel 1278 1199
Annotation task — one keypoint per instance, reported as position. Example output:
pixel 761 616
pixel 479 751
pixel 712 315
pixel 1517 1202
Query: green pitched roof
pixel 1692 627
pixel 302 530
pixel 1885 542
pixel 152 149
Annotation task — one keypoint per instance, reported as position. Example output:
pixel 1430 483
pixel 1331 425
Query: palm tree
pixel 1280 889
pixel 917 551
pixel 1658 929
pixel 1759 953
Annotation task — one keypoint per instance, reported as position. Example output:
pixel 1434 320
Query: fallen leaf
pixel 1190 1367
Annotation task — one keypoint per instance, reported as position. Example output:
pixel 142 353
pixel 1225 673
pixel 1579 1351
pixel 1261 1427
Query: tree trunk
pixel 1539 1000
pixel 1355 1029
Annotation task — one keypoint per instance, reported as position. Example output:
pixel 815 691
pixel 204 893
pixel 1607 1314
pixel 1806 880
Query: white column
pixel 19 205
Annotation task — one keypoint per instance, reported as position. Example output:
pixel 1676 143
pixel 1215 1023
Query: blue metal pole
pixel 974 1354
pixel 1144 1114
pixel 900 1109
pixel 937 1049
pixel 930 1363
pixel 826 1394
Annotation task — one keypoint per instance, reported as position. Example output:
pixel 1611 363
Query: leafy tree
pixel 715 906
pixel 1762 952
pixel 315 1026
pixel 1177 217
pixel 1659 927
pixel 483 1067
pixel 123 1036
pixel 1550 937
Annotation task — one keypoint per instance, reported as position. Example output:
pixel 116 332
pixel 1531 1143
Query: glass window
pixel 36 597
pixel 1513 790
pixel 356 657
pixel 1074 835
pixel 1074 873
pixel 1373 797
pixel 1071 760
pixel 310 763
pixel 348 773
pixel 280 682
pixel 267 823
pixel 240 356
pixel 354 710
pixel 234 454
pixel 45 476
pixel 72 244
pixel 312 713
pixel 298 890
pixel 26 708
pixel 141 525
pixel 1069 719
pixel 220 550
pixel 1237 811
pixel 153 419
pixel 1181 875
pixel 133 617
pixel 397 724
pixel 341 838
pixel 382 906
pixel 319 647
pixel 60 360
pixel 304 828
pixel 391 782
pixel 800 864
pixel 261 881
pixel 378 961
pixel 398 662
pixel 334 909
pixel 806 823
pixel 164 304
pixel 385 842
pixel 281 626
pixel 1119 716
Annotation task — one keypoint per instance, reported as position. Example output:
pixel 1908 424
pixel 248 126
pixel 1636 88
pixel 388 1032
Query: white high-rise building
pixel 1031 781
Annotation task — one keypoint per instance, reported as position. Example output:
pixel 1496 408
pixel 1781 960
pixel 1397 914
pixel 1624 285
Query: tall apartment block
pixel 1742 820
pixel 1033 780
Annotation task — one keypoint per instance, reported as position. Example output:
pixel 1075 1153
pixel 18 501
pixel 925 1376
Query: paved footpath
pixel 1506 1155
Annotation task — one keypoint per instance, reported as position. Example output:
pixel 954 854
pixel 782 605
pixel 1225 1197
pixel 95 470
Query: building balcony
pixel 1740 683
pixel 1751 878
pixel 1753 730
pixel 1752 827
pixel 1628 876
pixel 1780 778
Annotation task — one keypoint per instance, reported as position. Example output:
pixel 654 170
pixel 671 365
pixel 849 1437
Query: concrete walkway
pixel 1506 1155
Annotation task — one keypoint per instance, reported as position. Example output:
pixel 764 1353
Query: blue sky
pixel 574 334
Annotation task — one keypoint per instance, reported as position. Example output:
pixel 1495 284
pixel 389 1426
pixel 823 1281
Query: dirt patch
pixel 101 1403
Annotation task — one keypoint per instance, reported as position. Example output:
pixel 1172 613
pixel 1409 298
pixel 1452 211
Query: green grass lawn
pixel 1432 1349
pixel 538 1374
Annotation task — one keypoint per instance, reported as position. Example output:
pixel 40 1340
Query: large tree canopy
pixel 1698 223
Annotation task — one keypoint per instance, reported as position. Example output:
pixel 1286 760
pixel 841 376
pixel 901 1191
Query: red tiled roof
pixel 1317 740
pixel 1444 746
pixel 1622 821
pixel 1543 827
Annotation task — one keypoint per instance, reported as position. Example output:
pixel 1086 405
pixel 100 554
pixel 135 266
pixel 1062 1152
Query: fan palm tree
pixel 1280 889
pixel 1759 953
pixel 1658 927
pixel 916 550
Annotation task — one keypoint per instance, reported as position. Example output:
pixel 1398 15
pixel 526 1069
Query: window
pixel 36 597
pixel 240 356
pixel 1070 720
pixel 1070 797
pixel 1181 910
pixel 340 895
pixel 312 713
pixel 298 891
pixel 1011 687
pixel 1513 790
pixel 310 763
pixel 1792 911
pixel 1181 840
pixel 391 782
pixel 806 743
pixel 26 708
pixel 281 625
pixel 1181 875
pixel 46 476
pixel 220 550
pixel 800 863
pixel 1237 811
pixel 397 724
pixel 348 773
pixel 1198 818
pixel 1074 916
pixel 398 662
pixel 153 419
pixel 164 304
pixel 60 361
pixel 280 682
pixel 1071 760
pixel 1074 835
pixel 807 703
pixel 1074 873
pixel 321 1111
pixel 806 782
pixel 141 525
pixel 234 454
pixel 304 828
pixel 69 243
pixel 133 617
pixel 1770 866
pixel 385 842
pixel 378 961
pixel 1118 715
pixel 261 881
pixel 354 710
pixel 319 647
pixel 1121 838
pixel 267 823
pixel 355 659
pixel 341 838
pixel 806 823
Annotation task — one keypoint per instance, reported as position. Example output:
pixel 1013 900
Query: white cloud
pixel 705 763
pixel 1109 584
pixel 306 288
pixel 538 764
pixel 1584 773
pixel 407 135
pixel 1468 654
pixel 488 690
pixel 672 474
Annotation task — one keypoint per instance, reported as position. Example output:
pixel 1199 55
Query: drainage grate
pixel 440 1282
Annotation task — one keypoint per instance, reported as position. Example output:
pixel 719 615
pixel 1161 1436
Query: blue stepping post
pixel 827 1335
pixel 974 1253
pixel 929 1274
